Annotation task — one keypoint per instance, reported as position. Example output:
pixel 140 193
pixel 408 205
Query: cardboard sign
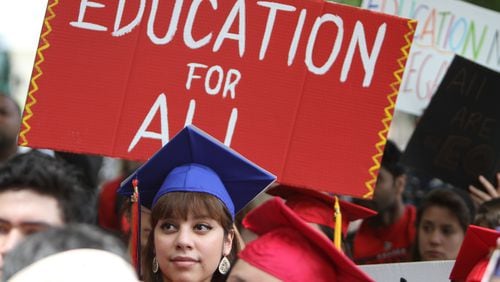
pixel 458 137
pixel 428 271
pixel 446 28
pixel 305 89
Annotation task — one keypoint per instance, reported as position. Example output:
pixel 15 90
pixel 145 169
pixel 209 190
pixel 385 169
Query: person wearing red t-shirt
pixel 388 236
pixel 111 207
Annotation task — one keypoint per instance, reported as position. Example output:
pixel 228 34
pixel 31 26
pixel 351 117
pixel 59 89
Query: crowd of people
pixel 189 213
pixel 206 213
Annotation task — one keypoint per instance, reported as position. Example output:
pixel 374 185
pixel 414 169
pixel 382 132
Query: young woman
pixel 194 186
pixel 442 219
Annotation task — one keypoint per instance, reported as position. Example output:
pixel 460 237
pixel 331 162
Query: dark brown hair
pixel 488 214
pixel 181 205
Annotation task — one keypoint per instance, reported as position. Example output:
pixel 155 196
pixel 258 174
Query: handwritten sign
pixel 305 89
pixel 445 28
pixel 458 137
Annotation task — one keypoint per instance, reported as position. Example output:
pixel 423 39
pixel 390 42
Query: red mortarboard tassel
pixel 135 245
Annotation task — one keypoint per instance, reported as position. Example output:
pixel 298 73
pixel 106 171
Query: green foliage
pixel 489 4
pixel 356 3
pixel 4 72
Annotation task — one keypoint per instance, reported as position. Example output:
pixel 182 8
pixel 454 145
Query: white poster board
pixel 428 271
pixel 445 27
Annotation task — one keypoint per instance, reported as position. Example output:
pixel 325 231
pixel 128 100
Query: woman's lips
pixel 183 262
pixel 434 255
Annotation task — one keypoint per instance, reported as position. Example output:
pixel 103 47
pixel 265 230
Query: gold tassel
pixel 337 235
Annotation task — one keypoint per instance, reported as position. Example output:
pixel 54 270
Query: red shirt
pixel 108 211
pixel 373 245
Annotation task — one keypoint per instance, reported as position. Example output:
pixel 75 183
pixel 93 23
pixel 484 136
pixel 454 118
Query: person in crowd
pixel 442 220
pixel 78 265
pixel 388 236
pixel 89 166
pixel 488 214
pixel 194 186
pixel 60 239
pixel 113 210
pixel 38 191
pixel 290 249
pixel 318 209
pixel 10 122
pixel 245 234
pixel 145 229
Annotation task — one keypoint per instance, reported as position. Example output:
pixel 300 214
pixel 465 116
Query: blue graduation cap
pixel 193 161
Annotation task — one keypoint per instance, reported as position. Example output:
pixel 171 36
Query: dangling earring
pixel 155 265
pixel 224 266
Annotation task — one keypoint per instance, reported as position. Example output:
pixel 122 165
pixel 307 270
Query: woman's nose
pixel 184 238
pixel 435 237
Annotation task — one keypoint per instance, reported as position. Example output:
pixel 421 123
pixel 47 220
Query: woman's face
pixel 190 250
pixel 439 234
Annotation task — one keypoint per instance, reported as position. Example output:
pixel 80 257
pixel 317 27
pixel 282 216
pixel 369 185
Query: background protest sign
pixel 445 28
pixel 305 89
pixel 458 137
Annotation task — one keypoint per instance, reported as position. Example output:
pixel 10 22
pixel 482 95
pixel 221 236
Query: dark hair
pixel 488 214
pixel 89 166
pixel 60 239
pixel 180 205
pixel 391 159
pixel 47 176
pixel 452 199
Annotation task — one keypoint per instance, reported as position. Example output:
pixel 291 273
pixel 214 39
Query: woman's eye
pixel 202 227
pixel 448 231
pixel 427 228
pixel 168 227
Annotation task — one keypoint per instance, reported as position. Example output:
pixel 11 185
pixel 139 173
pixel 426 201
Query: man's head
pixel 37 191
pixel 391 179
pixel 60 239
pixel 10 121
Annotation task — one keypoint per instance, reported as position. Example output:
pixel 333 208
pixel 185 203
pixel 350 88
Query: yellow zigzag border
pixel 370 184
pixel 30 101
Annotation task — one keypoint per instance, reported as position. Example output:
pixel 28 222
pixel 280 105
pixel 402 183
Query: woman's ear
pixel 228 243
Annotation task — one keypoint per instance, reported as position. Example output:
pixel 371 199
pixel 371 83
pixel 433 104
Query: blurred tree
pixel 488 4
pixel 356 3
pixel 4 69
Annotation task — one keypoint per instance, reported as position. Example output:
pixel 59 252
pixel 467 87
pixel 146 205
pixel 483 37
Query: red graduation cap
pixel 317 207
pixel 291 250
pixel 471 260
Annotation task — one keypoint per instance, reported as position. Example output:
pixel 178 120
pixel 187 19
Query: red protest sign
pixel 305 89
